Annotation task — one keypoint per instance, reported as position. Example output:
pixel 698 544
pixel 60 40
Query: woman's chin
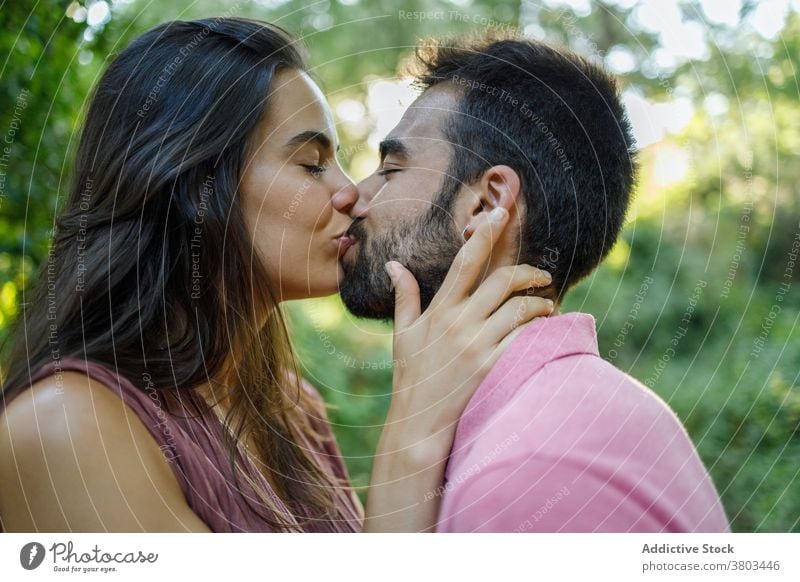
pixel 323 279
pixel 324 288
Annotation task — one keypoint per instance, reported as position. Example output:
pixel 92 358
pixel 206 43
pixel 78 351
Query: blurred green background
pixel 712 239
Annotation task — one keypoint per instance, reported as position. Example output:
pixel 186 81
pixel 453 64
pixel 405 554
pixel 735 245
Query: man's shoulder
pixel 582 406
pixel 593 380
pixel 580 385
pixel 581 423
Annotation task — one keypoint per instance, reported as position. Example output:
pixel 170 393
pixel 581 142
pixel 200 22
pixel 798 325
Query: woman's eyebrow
pixel 307 136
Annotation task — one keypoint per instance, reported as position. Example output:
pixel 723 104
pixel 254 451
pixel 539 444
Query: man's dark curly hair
pixel 557 120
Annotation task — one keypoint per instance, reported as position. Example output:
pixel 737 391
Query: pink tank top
pixel 194 448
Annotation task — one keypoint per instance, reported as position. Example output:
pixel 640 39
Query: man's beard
pixel 425 245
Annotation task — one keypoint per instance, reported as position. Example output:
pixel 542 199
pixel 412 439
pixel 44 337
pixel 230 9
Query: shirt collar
pixel 541 341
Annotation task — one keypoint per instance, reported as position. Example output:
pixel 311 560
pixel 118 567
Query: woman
pixel 151 386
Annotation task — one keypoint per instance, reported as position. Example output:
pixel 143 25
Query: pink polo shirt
pixel 556 439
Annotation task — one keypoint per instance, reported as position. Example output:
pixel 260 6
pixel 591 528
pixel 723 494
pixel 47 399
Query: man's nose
pixel 348 201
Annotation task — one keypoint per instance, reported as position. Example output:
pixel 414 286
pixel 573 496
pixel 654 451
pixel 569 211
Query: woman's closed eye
pixel 387 171
pixel 314 169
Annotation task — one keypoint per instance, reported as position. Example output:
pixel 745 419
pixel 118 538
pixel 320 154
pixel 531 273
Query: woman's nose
pixel 346 200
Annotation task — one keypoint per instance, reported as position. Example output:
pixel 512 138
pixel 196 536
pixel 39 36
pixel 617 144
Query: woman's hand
pixel 441 358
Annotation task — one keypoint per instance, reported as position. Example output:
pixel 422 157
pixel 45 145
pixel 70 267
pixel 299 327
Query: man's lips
pixel 349 237
pixel 353 242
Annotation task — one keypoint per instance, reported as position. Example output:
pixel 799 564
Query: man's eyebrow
pixel 307 136
pixel 393 146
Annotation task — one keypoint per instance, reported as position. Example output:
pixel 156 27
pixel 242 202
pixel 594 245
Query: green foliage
pixel 350 362
pixel 740 405
pixel 35 130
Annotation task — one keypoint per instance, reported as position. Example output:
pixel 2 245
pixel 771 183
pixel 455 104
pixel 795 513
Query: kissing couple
pixel 154 361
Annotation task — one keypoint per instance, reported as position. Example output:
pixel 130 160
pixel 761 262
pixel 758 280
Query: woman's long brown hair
pixel 152 271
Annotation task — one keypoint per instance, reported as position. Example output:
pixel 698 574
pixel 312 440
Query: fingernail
pixel 498 215
pixel 547 274
pixel 390 270
pixel 549 303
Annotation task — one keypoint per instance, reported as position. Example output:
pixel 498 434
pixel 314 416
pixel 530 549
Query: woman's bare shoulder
pixel 79 459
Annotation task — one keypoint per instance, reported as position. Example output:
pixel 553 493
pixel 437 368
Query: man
pixel 555 438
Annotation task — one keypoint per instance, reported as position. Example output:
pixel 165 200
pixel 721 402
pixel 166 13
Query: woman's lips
pixel 343 243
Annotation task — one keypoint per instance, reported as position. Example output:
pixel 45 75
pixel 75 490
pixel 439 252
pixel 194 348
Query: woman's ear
pixel 498 187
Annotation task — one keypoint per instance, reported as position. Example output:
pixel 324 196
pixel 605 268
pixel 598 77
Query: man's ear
pixel 498 187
